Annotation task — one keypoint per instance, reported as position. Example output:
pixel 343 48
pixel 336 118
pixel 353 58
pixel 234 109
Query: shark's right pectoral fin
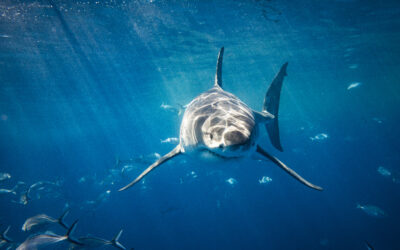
pixel 176 151
pixel 287 169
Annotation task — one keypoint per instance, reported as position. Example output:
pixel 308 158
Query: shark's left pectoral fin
pixel 176 151
pixel 287 169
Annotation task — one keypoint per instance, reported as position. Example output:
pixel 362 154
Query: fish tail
pixel 61 220
pixel 69 233
pixel 4 236
pixel 115 240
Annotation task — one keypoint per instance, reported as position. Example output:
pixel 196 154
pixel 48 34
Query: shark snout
pixel 235 137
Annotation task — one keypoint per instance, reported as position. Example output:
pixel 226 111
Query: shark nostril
pixel 221 145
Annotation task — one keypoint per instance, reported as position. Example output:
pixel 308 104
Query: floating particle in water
pixel 353 66
pixel 324 242
pixel 143 185
pixel 193 174
pixel 4 36
pixel 171 140
pixel 265 179
pixel 372 210
pixel 218 204
pixel 4 117
pixel 178 109
pixel 231 181
pixel 396 179
pixel 319 137
pixel 383 171
pixel 354 85
pixel 376 119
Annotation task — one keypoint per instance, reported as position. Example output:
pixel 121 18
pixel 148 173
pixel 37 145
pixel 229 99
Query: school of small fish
pixel 40 226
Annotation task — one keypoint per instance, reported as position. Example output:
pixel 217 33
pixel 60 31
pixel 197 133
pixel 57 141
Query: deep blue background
pixel 84 84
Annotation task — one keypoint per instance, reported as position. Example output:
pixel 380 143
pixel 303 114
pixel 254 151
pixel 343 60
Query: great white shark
pixel 218 124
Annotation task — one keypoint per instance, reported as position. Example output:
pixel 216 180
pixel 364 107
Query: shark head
pixel 231 135
pixel 217 122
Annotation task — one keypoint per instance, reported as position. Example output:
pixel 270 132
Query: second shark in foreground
pixel 218 124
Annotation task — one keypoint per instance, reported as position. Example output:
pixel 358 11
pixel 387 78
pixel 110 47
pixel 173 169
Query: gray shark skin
pixel 217 124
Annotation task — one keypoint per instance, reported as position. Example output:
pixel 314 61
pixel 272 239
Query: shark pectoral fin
pixel 287 169
pixel 176 151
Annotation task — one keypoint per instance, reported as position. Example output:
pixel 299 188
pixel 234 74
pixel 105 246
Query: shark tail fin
pixel 271 105
pixel 61 220
pixel 70 232
pixel 218 73
pixel 4 236
pixel 115 241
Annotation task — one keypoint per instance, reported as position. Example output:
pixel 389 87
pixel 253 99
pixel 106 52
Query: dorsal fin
pixel 218 73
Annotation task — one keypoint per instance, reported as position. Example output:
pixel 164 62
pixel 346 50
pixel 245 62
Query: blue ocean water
pixel 89 89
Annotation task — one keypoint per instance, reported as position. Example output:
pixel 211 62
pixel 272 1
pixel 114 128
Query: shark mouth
pixel 219 155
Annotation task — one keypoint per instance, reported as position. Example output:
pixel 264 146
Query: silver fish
pixel 48 238
pixel 372 210
pixel 43 220
pixel 353 85
pixel 4 176
pixel 95 242
pixel 319 137
pixel 7 191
